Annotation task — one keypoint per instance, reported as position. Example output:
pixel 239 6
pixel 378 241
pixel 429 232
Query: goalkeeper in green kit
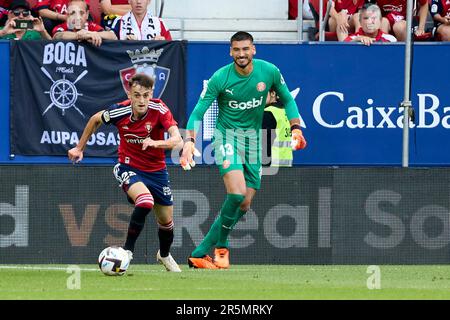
pixel 241 89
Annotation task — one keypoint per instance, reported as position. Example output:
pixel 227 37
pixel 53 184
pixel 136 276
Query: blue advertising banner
pixel 58 86
pixel 349 97
pixel 4 101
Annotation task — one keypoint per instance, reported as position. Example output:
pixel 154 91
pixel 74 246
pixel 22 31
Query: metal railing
pixel 322 19
pixel 159 7
pixel 300 20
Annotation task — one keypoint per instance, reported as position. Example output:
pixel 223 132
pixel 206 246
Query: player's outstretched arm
pixel 209 94
pixel 173 141
pixel 189 151
pixel 76 154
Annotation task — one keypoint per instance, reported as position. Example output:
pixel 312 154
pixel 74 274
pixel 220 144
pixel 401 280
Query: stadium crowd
pixel 72 20
pixel 130 19
pixel 431 18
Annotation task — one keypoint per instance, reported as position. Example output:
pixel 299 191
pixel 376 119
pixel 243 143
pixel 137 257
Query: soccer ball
pixel 113 261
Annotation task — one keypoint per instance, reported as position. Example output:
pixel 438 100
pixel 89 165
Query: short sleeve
pixel 167 119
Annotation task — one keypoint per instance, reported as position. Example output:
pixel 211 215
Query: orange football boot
pixel 222 258
pixel 205 262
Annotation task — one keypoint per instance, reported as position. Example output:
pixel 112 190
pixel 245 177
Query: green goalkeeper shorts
pixel 245 157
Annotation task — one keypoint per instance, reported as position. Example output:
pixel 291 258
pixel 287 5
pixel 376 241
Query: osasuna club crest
pixel 148 126
pixel 144 61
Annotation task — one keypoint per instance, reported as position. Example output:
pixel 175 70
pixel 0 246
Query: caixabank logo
pixel 145 61
pixel 64 64
pixel 332 110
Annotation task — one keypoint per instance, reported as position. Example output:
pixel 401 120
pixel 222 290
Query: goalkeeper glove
pixel 187 157
pixel 297 140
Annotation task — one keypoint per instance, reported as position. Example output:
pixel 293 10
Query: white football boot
pixel 168 262
pixel 130 255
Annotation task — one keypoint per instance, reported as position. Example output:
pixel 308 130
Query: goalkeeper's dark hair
pixel 241 36
pixel 141 79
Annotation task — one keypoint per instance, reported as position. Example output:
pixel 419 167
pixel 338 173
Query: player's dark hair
pixel 141 79
pixel 241 36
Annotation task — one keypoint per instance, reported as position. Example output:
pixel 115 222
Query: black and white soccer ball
pixel 113 261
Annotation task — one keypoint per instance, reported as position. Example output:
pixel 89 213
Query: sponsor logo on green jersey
pixel 254 103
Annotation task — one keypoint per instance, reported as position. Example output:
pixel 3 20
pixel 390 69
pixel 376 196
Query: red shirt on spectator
pixel 114 2
pixel 4 6
pixel 396 7
pixel 351 6
pixel 5 3
pixel 90 26
pixel 59 6
pixel 380 37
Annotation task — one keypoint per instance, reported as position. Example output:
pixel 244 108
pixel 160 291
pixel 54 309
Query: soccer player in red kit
pixel 395 13
pixel 141 169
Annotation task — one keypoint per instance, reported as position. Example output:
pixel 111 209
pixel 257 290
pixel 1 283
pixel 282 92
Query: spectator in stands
pixel 4 7
pixel 344 17
pixel 111 9
pixel 53 12
pixel 370 30
pixel 395 13
pixel 20 10
pixel 77 26
pixel 440 11
pixel 139 24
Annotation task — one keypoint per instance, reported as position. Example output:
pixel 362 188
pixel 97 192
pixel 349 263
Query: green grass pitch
pixel 241 282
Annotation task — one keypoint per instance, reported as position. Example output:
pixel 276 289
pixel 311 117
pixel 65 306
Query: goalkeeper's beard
pixel 242 66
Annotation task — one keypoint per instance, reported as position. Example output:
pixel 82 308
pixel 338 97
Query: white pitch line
pixel 44 268
pixel 22 267
pixel 132 269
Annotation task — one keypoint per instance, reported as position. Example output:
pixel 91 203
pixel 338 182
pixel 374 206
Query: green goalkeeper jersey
pixel 242 99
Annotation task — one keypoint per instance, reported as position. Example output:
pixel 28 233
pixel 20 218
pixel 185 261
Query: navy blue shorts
pixel 157 182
